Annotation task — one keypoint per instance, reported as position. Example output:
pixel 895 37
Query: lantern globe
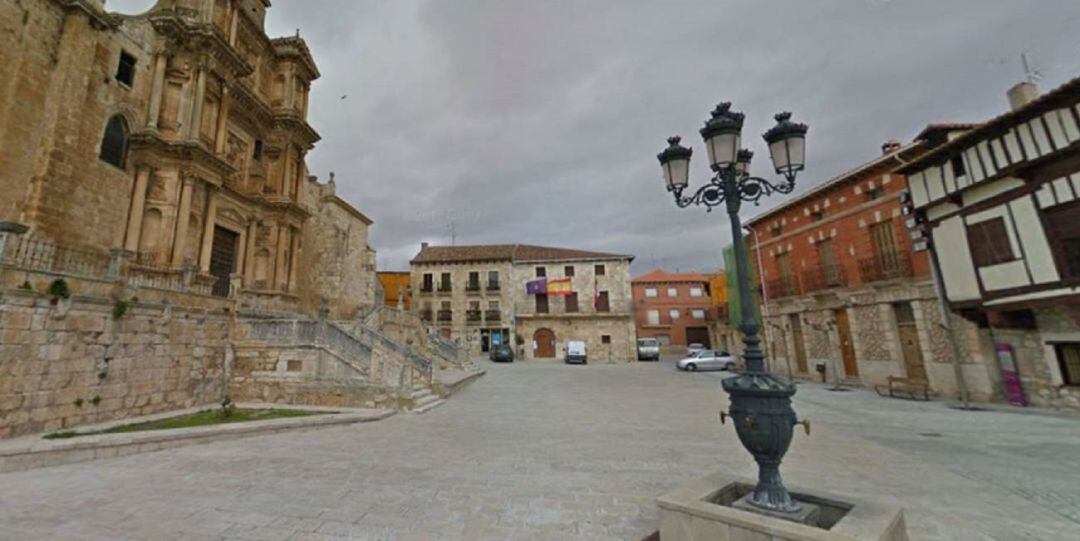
pixel 675 161
pixel 787 145
pixel 723 136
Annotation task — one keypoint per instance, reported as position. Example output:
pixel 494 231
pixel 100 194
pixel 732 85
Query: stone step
pixel 419 393
pixel 429 406
pixel 425 400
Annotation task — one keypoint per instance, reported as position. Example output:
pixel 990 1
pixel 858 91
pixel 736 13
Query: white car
pixel 708 359
pixel 694 348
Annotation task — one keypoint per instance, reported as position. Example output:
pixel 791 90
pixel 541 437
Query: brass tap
pixel 806 425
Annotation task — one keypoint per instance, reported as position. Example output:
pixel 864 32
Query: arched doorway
pixel 545 343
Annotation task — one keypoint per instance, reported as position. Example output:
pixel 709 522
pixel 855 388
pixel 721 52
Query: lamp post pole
pixel 760 402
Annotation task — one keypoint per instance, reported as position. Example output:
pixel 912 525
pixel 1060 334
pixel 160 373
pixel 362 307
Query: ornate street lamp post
pixel 760 402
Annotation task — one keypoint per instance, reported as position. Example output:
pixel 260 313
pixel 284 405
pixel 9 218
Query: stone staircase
pixel 423 400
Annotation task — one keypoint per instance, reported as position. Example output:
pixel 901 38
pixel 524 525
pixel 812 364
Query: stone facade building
pixel 843 291
pixel 178 135
pixel 676 309
pixel 339 263
pixel 473 294
pixel 1001 204
pixel 162 245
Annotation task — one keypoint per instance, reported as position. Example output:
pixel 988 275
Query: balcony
pixel 425 315
pixel 472 317
pixel 493 315
pixel 472 288
pixel 615 308
pixel 445 289
pixel 785 286
pixel 824 277
pixel 427 289
pixel 445 316
pixel 888 267
pixel 493 286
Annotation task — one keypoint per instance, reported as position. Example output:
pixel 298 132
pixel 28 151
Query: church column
pixel 294 254
pixel 290 87
pixel 208 230
pixel 222 122
pixel 183 216
pixel 197 106
pixel 138 204
pixel 234 19
pixel 279 258
pixel 157 89
pixel 283 188
pixel 249 253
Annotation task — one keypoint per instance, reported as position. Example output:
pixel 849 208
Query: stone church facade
pixel 178 135
pixel 162 243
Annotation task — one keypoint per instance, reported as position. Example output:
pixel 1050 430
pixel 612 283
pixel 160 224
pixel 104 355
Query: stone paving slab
pixel 548 451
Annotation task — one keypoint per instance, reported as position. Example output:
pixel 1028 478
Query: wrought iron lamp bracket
pixel 727 186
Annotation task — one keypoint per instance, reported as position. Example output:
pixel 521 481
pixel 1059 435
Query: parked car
pixel 502 353
pixel 575 352
pixel 708 359
pixel 648 349
pixel 694 348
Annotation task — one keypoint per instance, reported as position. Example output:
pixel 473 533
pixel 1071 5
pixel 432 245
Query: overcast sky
pixel 539 122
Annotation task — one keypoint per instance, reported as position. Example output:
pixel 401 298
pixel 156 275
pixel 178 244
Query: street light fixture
pixel 760 402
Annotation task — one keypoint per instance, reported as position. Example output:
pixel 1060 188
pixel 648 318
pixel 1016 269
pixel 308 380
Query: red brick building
pixel 675 308
pixel 842 286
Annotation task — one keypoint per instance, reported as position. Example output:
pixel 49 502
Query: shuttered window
pixel 1069 359
pixel 989 243
pixel 1063 231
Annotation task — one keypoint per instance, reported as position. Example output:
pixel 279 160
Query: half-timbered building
pixel 1001 202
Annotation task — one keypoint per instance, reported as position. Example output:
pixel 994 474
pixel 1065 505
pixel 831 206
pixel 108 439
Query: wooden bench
pixel 912 388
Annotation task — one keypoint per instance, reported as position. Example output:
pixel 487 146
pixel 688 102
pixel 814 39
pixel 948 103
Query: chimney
pixel 890 146
pixel 1022 94
pixel 423 246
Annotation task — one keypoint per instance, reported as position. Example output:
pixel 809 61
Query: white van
pixel 575 352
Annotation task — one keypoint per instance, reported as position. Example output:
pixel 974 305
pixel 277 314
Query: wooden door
pixel 847 346
pixel 827 255
pixel 910 345
pixel 800 347
pixel 222 259
pixel 545 343
pixel 888 258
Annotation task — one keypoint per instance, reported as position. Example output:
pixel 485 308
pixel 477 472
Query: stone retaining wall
pixel 73 362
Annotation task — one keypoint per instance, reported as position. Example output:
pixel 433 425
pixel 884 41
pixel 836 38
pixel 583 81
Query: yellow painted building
pixel 394 284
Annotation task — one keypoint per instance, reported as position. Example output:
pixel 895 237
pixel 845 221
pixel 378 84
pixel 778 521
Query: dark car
pixel 502 353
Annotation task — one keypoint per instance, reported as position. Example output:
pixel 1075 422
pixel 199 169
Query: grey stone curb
pixel 35 452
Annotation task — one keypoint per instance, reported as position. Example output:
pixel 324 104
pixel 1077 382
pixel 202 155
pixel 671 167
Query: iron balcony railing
pixel 445 288
pixel 472 317
pixel 472 287
pixel 785 286
pixel 493 286
pixel 891 266
pixel 824 277
pixel 446 315
pixel 425 315
pixel 427 288
pixel 492 315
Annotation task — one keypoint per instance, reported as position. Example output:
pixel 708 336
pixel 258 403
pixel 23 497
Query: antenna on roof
pixel 1032 75
pixel 453 232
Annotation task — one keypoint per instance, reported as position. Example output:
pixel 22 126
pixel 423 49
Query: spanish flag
pixel 559 287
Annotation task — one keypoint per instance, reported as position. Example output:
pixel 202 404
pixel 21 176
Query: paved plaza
pixel 546 451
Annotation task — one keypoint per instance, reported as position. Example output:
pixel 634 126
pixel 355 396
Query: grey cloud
pixel 539 122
